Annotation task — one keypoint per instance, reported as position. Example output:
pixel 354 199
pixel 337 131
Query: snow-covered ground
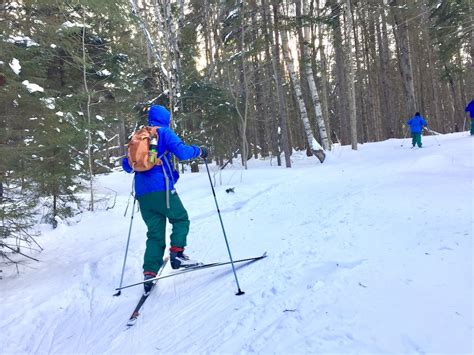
pixel 370 252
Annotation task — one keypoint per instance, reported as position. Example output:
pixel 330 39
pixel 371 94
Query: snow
pixel 31 87
pixel 22 40
pixel 101 134
pixel 15 66
pixel 164 70
pixel 234 56
pixel 69 24
pixel 227 36
pixel 49 102
pixel 370 252
pixel 315 145
pixel 232 14
pixel 103 72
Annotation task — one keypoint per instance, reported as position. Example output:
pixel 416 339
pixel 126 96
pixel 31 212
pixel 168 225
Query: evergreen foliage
pixel 43 104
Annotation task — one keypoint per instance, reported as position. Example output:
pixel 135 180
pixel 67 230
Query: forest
pixel 248 79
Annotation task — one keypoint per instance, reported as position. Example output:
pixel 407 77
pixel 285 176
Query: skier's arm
pixel 126 166
pixel 176 146
pixel 470 106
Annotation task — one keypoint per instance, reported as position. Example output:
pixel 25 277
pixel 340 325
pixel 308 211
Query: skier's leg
pixel 418 140
pixel 178 217
pixel 156 235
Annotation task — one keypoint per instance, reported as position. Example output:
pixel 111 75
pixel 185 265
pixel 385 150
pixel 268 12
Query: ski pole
pixel 434 135
pixel 404 135
pixel 126 248
pixel 239 291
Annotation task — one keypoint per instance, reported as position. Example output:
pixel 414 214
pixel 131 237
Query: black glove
pixel 204 152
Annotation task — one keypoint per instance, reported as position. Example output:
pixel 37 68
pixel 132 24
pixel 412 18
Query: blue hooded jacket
pixel 416 123
pixel 154 179
pixel 470 108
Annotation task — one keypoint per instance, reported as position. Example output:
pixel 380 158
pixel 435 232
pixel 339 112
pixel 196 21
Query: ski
pixel 136 312
pixel 195 268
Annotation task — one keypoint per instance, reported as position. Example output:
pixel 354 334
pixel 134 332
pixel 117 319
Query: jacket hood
pixel 158 116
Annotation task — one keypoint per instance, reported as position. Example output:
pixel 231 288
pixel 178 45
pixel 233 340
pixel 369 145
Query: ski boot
pixel 180 260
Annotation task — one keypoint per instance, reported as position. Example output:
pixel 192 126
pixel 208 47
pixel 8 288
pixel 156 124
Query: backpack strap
pixel 167 178
pixel 169 166
pixel 153 130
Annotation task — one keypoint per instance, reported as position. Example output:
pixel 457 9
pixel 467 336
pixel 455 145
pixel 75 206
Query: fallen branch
pixel 18 252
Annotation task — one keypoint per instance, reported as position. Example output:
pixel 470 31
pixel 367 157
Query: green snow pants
pixel 472 125
pixel 416 139
pixel 154 213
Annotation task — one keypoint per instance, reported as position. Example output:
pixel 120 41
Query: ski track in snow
pixel 370 252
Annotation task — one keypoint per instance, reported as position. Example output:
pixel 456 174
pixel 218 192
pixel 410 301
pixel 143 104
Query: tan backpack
pixel 142 156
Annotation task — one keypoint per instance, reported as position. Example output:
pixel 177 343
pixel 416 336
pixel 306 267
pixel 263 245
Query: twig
pixel 19 252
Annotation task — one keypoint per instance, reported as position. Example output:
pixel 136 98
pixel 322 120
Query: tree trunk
pixel 122 136
pixel 341 108
pixel 242 105
pixel 88 107
pixel 146 34
pixel 362 98
pixel 401 34
pixel 385 82
pixel 260 116
pixel 313 145
pixel 350 78
pixel 324 77
pixel 282 130
pixel 306 62
pixel 172 66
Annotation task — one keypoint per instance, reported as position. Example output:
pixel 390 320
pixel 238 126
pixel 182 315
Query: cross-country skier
pixel 416 124
pixel 159 200
pixel 470 108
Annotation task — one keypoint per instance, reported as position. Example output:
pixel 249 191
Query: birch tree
pixel 306 62
pixel 324 75
pixel 313 144
pixel 174 65
pixel 151 45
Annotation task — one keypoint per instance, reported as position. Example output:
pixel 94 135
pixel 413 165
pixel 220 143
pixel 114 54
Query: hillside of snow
pixel 370 252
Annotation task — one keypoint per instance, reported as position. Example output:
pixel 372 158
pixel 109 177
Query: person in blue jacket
pixel 158 199
pixel 416 124
pixel 470 108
